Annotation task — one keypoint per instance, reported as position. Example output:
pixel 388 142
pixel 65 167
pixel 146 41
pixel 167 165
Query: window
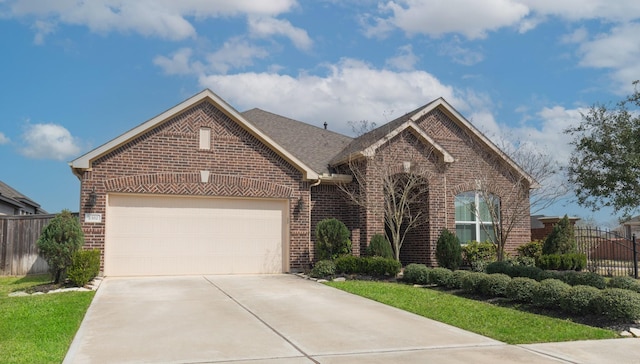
pixel 205 138
pixel 473 217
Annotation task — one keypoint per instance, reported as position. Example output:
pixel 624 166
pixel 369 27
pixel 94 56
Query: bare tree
pixel 400 166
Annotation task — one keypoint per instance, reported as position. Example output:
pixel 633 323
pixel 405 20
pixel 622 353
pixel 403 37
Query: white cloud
pixel 576 10
pixel 4 139
pixel 235 53
pixel 265 27
pixel 459 54
pixel 166 19
pixel 405 60
pixel 617 51
pixel 179 63
pixel 577 36
pixel 473 19
pixel 337 97
pixel 48 141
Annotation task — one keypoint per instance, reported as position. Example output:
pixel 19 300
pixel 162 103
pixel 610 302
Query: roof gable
pixel 367 143
pixel 84 162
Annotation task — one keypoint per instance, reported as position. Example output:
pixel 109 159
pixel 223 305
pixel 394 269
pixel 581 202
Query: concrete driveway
pixel 287 319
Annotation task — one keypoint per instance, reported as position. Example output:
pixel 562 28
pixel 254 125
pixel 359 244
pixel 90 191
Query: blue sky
pixel 75 74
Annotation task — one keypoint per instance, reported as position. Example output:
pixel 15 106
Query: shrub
pixel 348 264
pixel 440 276
pixel 549 261
pixel 561 240
pixel 479 255
pixel 550 292
pixel 569 261
pixel 620 304
pixel 471 282
pixel 522 289
pixel 530 250
pixel 332 239
pixel 629 283
pixel 379 266
pixel 455 281
pixel 504 267
pixel 323 269
pixel 380 247
pixel 526 261
pixel 585 279
pixel 416 273
pixel 59 240
pixel 85 266
pixel 581 300
pixel 494 285
pixel 526 271
pixel 551 274
pixel 448 252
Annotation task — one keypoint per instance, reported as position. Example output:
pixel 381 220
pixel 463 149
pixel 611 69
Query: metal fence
pixel 18 244
pixel 608 253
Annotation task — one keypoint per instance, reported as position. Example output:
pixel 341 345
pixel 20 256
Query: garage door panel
pixel 156 235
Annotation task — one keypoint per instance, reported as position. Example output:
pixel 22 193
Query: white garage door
pixel 173 235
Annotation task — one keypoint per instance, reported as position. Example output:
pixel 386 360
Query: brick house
pixel 205 189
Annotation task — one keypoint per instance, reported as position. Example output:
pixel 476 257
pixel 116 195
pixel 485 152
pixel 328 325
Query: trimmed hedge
pixel 522 289
pixel 85 265
pixel 471 282
pixel 494 285
pixel 416 274
pixel 629 283
pixel 479 255
pixel 549 293
pixel 584 279
pixel 569 261
pixel 581 300
pixel 375 266
pixel 455 282
pixel 440 276
pixel 620 304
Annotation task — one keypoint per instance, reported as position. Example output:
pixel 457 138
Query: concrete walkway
pixel 286 319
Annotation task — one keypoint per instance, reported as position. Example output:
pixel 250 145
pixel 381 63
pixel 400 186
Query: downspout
pixel 314 184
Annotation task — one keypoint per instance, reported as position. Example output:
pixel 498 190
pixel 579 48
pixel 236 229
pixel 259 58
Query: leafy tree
pixel 605 164
pixel 332 239
pixel 380 247
pixel 562 238
pixel 59 240
pixel 448 251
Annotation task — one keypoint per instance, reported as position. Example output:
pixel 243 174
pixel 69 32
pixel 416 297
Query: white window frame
pixel 205 138
pixel 477 222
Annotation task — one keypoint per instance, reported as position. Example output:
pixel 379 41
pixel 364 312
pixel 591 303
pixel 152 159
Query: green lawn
pixel 504 324
pixel 38 329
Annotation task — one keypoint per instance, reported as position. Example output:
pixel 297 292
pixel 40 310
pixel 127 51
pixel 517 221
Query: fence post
pixel 635 257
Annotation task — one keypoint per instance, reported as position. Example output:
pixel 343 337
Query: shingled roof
pixel 12 196
pixel 314 146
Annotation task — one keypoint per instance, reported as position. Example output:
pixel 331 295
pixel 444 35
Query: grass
pixel 501 323
pixel 38 329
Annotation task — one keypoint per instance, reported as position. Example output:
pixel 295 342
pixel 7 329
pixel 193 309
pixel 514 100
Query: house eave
pixel 84 162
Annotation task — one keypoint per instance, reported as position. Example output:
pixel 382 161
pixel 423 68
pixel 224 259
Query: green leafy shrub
pixel 348 264
pixel 569 261
pixel 416 274
pixel 448 252
pixel 504 267
pixel 494 285
pixel 530 250
pixel 379 247
pixel 561 240
pixel 526 271
pixel 379 266
pixel 549 261
pixel 59 240
pixel 85 265
pixel 479 255
pixel 440 276
pixel 522 289
pixel 551 274
pixel 629 283
pixel 550 292
pixel 471 282
pixel 581 300
pixel 620 304
pixel 525 261
pixel 585 279
pixel 455 281
pixel 323 269
pixel 332 239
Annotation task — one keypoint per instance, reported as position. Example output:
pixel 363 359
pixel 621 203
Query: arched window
pixel 473 216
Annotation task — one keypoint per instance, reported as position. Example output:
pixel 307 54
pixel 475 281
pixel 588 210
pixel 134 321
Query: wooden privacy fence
pixel 608 253
pixel 18 244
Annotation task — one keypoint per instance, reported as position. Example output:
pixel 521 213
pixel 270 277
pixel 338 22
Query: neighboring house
pixel 13 202
pixel 542 226
pixel 205 189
